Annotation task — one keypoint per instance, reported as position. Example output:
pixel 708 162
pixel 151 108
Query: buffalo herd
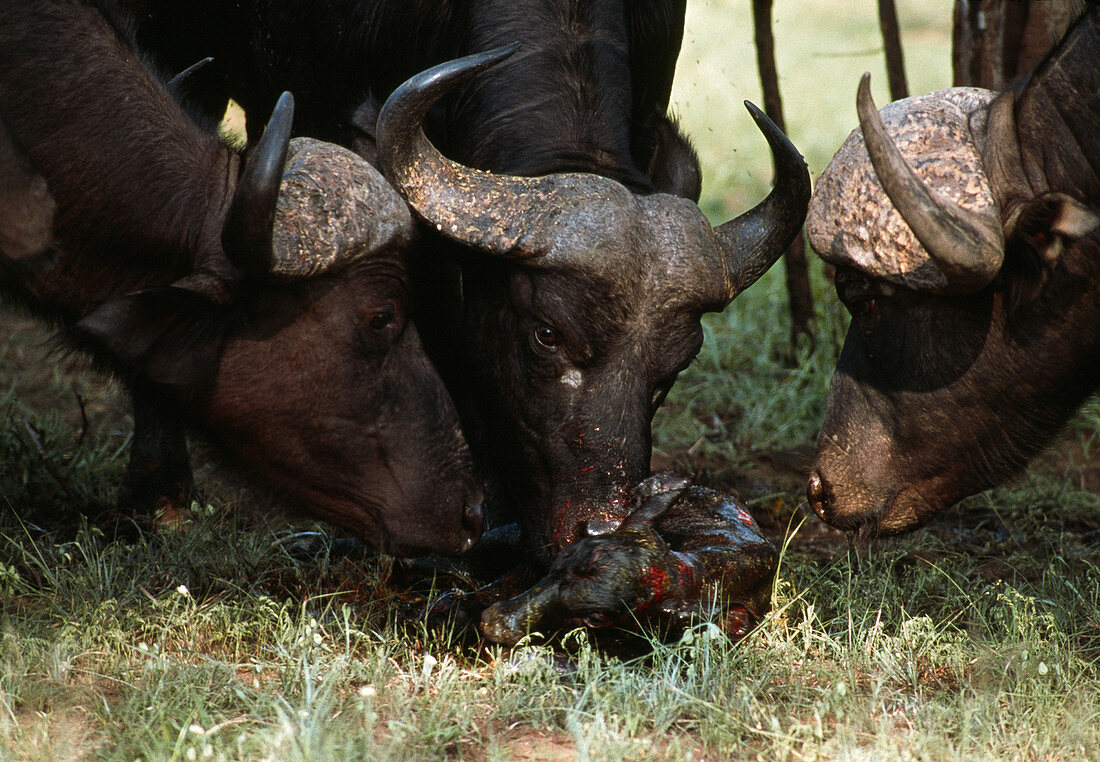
pixel 450 280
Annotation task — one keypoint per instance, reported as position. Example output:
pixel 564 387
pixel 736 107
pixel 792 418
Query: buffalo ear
pixel 1047 222
pixel 674 166
pixel 170 335
pixel 1036 234
pixel 655 495
pixel 364 126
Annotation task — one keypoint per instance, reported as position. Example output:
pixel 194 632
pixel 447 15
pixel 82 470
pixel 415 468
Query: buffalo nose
pixel 473 521
pixel 817 495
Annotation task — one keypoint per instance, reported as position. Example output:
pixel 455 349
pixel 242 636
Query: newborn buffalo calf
pixel 631 575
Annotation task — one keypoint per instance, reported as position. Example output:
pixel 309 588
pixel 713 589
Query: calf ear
pixel 171 335
pixel 654 496
pixel 1036 234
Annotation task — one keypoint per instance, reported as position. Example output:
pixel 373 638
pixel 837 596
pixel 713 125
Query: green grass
pixel 211 643
pixel 976 638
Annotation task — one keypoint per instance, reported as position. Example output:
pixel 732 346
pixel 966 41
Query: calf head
pixel 970 272
pixel 582 302
pixel 291 348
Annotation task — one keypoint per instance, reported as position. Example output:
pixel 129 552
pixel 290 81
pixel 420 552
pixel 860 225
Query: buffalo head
pixel 290 346
pixel 966 251
pixel 582 302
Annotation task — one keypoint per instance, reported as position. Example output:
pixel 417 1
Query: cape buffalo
pixel 968 253
pixel 265 306
pixel 581 305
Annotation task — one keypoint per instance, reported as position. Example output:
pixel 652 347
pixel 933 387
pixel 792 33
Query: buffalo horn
pixel 752 242
pixel 334 208
pixel 247 236
pixel 497 214
pixel 967 247
pixel 179 85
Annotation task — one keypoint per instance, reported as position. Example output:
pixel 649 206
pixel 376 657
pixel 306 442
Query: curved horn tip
pixel 495 55
pixel 175 83
pixel 461 69
pixel 264 165
pixel 756 113
pixel 752 242
pixel 865 104
pixel 763 122
pixel 282 116
pixel 248 228
pixel 777 138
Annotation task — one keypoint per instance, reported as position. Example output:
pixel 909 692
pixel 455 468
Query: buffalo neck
pixel 1056 115
pixel 1059 148
pixel 131 168
pixel 567 103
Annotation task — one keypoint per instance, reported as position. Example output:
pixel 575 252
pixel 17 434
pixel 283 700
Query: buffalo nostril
pixel 817 495
pixel 473 521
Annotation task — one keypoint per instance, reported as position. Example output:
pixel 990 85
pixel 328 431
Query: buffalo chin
pixel 389 545
pixel 906 511
pixel 400 536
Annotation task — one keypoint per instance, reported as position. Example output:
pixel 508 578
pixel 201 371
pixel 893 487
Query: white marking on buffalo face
pixel 572 378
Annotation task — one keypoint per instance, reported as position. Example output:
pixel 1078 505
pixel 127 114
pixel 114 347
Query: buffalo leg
pixel 158 479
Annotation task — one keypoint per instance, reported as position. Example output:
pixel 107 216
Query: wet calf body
pixel 632 575
pixel 265 306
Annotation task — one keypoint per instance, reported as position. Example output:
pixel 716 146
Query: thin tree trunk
pixel 891 40
pixel 799 296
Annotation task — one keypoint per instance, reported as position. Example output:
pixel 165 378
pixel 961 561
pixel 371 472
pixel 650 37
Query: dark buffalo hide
pixel 264 306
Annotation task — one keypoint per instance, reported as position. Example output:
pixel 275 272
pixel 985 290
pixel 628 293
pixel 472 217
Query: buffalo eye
pixel 865 314
pixel 378 326
pixel 597 620
pixel 547 337
pixel 865 318
pixel 860 296
pixel 383 318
